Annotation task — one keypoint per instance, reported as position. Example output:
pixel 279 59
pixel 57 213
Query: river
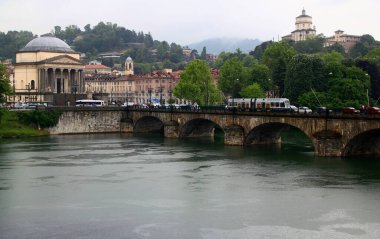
pixel 123 186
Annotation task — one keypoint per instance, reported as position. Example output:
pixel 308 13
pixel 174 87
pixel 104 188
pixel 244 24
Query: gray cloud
pixel 186 21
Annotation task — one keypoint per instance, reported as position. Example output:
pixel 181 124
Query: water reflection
pixel 122 186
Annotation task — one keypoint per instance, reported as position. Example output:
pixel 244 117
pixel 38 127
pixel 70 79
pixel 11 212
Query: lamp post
pixel 233 94
pixel 367 93
pixel 75 92
pixel 170 91
pixel 126 95
pixel 28 89
pixel 14 90
pixel 150 95
pixel 160 89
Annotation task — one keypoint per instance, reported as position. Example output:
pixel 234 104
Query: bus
pixel 89 103
pixel 260 104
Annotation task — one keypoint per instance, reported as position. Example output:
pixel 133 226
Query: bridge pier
pixel 171 130
pixel 328 147
pixel 126 126
pixel 233 135
pixel 328 143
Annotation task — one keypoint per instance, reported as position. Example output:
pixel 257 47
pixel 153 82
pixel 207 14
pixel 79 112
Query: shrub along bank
pixel 26 123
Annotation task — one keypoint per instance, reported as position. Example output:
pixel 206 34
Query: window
pixel 32 85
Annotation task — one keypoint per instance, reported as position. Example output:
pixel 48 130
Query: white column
pixel 62 81
pixel 54 85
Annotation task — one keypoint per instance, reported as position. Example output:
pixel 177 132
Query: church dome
pixel 48 44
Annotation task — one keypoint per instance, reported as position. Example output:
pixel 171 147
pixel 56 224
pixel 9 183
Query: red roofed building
pixel 97 69
pixel 347 41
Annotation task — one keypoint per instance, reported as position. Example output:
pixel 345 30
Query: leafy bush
pixel 40 118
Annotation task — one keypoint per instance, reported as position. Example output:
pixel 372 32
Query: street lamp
pixel 126 95
pixel 75 92
pixel 170 92
pixel 233 93
pixel 28 89
pixel 160 89
pixel 150 95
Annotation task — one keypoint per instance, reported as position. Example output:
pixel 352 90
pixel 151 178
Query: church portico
pixel 60 80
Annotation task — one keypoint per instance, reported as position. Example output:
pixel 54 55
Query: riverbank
pixel 11 126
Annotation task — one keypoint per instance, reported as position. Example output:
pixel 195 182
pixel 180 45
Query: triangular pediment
pixel 63 59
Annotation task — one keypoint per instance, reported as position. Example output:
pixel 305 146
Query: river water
pixel 120 186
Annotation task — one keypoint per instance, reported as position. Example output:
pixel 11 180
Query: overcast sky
pixel 189 21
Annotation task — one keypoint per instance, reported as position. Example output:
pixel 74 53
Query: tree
pixel 196 84
pixel 373 69
pixel 277 57
pixel 249 61
pixel 314 99
pixel 304 73
pixel 253 91
pixel 12 42
pixel 333 64
pixel 260 49
pixel 337 48
pixel 222 58
pixel 231 77
pixel 203 54
pixel 259 73
pixel 310 46
pixel 347 92
pixel 365 45
pixel 5 87
pixel 332 57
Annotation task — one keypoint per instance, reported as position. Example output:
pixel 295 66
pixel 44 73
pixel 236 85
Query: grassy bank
pixel 11 126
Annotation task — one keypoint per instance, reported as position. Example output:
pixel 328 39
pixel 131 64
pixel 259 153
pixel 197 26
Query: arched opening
pixel 280 134
pixel 202 128
pixel 32 85
pixel 366 143
pixel 149 124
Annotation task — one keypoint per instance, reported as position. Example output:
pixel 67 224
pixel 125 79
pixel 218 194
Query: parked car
pixel 350 110
pixel 293 108
pixel 304 110
pixel 130 103
pixel 323 110
pixel 373 110
pixel 21 105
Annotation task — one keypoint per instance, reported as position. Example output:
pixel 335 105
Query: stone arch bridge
pixel 334 135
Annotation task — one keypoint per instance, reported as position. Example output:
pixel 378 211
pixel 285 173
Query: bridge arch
pixel 365 143
pixel 199 127
pixel 149 124
pixel 270 133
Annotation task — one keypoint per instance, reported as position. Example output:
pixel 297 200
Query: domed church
pixel 304 28
pixel 48 70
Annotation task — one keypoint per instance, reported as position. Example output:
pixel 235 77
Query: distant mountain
pixel 217 45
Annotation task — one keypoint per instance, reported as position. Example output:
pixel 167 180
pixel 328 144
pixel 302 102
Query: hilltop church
pixel 305 30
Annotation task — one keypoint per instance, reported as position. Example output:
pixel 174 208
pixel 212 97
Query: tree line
pixel 306 72
pixel 148 54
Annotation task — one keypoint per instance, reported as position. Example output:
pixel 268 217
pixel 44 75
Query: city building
pixel 152 88
pixel 211 57
pixel 45 69
pixel 110 88
pixel 97 69
pixel 345 40
pixel 186 51
pixel 155 87
pixel 304 28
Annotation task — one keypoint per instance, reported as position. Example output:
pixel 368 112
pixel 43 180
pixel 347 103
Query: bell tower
pixel 129 67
